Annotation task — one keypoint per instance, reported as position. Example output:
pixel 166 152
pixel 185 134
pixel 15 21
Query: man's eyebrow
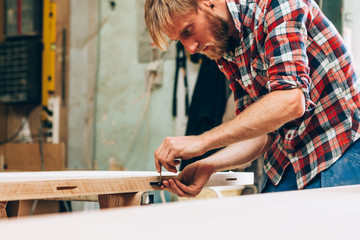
pixel 182 33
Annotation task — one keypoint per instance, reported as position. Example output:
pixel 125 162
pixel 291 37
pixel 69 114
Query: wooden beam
pixel 31 207
pixel 119 200
pixel 2 210
pixel 45 185
pixel 62 63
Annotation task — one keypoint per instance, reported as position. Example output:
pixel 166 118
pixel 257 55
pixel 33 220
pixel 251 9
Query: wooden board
pixel 45 185
pixel 26 156
pixel 120 200
pixel 2 210
pixel 62 63
pixel 309 214
pixel 31 207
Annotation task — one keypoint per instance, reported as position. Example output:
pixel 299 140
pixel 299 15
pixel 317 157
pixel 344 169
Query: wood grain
pixel 62 68
pixel 31 207
pixel 45 185
pixel 120 200
pixel 2 210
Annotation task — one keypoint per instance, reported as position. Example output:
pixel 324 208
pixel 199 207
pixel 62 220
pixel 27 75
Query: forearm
pixel 264 116
pixel 238 154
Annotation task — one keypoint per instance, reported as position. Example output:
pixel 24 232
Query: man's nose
pixel 190 45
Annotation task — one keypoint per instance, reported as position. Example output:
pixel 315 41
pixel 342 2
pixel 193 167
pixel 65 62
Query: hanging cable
pixel 13 137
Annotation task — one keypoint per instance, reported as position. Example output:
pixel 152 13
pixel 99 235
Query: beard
pixel 220 31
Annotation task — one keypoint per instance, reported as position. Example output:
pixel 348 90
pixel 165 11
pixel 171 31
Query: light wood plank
pixel 120 200
pixel 45 185
pixel 2 210
pixel 31 207
pixel 84 198
pixel 62 68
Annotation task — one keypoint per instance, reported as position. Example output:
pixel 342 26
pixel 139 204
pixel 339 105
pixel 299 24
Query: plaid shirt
pixel 286 44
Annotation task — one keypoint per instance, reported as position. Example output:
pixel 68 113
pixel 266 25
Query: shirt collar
pixel 234 9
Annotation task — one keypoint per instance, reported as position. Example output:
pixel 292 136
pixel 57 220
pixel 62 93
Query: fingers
pixel 177 147
pixel 169 162
pixel 172 186
pixel 157 155
pixel 165 156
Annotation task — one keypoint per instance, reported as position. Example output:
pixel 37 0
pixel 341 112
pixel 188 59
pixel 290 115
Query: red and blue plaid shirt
pixel 288 44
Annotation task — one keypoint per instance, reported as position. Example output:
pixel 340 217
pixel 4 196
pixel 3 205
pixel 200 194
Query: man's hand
pixel 173 148
pixel 191 180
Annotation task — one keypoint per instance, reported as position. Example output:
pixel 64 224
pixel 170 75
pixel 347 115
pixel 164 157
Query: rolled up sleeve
pixel 285 50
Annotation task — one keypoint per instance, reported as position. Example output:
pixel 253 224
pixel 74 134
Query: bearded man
pixel 295 88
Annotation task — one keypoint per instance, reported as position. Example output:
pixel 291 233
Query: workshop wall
pixel 108 91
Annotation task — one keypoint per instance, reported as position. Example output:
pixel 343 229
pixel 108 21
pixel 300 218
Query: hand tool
pixel 159 183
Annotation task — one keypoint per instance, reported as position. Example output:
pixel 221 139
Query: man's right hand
pixel 173 148
pixel 191 180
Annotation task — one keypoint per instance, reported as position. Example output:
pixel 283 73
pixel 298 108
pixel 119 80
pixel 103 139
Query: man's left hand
pixel 191 180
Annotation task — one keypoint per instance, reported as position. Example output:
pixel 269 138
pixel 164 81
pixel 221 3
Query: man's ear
pixel 206 3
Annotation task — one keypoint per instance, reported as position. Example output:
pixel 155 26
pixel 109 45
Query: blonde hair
pixel 159 15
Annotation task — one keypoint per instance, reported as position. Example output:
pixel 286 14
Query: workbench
pixel 331 213
pixel 110 188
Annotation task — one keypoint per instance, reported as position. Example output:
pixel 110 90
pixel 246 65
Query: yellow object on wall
pixel 49 54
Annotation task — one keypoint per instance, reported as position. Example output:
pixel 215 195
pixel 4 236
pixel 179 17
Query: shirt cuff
pixel 291 82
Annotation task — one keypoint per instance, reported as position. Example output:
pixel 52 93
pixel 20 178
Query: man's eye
pixel 187 32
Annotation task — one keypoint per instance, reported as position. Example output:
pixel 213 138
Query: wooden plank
pixel 62 63
pixel 26 156
pixel 119 200
pixel 31 207
pixel 257 216
pixel 44 185
pixel 83 198
pixel 2 210
pixel 2 158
